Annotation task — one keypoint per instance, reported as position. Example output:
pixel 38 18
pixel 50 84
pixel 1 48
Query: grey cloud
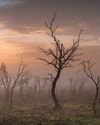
pixel 5 3
pixel 26 16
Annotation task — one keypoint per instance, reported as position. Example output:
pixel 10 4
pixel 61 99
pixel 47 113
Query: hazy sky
pixel 22 27
pixel 21 17
pixel 26 16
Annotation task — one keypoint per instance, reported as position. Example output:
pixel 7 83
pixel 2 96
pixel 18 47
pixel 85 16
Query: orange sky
pixel 12 52
pixel 22 30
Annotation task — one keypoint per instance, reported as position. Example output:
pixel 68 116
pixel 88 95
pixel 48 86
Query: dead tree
pixel 60 56
pixel 20 72
pixel 73 87
pixel 23 82
pixel 87 67
pixel 10 83
pixel 37 82
pixel 81 87
pixel 5 80
pixel 45 84
pixel 51 77
pixel 77 86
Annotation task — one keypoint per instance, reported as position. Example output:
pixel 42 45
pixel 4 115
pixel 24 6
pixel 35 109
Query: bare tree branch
pixel 87 67
pixel 60 56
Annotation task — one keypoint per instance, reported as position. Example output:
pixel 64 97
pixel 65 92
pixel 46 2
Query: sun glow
pixel 8 50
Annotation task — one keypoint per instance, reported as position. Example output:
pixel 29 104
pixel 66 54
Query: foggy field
pixel 36 108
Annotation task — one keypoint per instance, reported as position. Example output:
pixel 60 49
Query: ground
pixel 42 114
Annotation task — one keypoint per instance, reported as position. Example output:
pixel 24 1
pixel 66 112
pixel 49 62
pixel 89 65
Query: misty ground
pixel 36 108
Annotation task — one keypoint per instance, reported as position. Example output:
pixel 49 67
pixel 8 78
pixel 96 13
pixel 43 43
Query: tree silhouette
pixel 21 70
pixel 23 82
pixel 87 67
pixel 61 56
pixel 10 83
pixel 5 80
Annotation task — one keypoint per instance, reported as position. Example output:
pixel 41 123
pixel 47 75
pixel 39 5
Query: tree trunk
pixel 95 100
pixel 11 99
pixel 21 92
pixel 7 95
pixel 54 97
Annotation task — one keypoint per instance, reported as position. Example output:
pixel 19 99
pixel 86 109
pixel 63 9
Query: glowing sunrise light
pixel 8 50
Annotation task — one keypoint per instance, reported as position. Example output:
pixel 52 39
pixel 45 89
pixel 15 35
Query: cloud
pixel 83 25
pixel 23 17
pixel 8 3
pixel 98 39
pixel 27 16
